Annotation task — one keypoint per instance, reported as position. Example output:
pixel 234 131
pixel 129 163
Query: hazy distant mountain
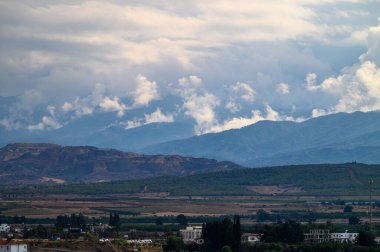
pixel 94 131
pixel 334 138
pixel 39 163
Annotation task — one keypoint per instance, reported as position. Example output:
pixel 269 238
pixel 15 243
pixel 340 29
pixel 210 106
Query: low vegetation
pixel 314 180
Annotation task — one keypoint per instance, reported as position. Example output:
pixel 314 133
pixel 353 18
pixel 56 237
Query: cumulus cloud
pixel 158 116
pixel 82 106
pixel 198 103
pixel 146 91
pixel 311 82
pixel 245 91
pixel 201 108
pixel 282 88
pixel 155 117
pixel 10 123
pixel 232 106
pixel 47 123
pixel 357 87
pixel 257 115
pixel 239 92
pixel 113 104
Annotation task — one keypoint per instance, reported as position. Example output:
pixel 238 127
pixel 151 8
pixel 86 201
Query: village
pixel 190 237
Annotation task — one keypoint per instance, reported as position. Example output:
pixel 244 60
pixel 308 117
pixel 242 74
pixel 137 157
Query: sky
pixel 220 64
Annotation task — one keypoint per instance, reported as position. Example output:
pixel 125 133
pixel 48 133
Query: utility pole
pixel 370 182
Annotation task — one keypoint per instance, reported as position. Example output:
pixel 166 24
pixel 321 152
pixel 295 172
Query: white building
pixel 344 237
pixel 317 235
pixel 5 228
pixel 324 235
pixel 191 234
pixel 251 238
pixel 13 247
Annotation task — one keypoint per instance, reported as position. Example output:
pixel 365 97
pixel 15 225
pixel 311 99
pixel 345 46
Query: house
pixel 251 238
pixel 9 246
pixel 192 234
pixel 5 228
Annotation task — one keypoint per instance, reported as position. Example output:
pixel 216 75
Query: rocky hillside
pixel 42 163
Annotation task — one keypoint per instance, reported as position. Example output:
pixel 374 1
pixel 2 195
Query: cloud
pixel 189 85
pixel 133 124
pixel 67 106
pixel 82 106
pixel 113 104
pixel 239 122
pixel 10 123
pixel 53 54
pixel 158 116
pixel 232 106
pixel 146 91
pixel 311 82
pixel 357 88
pixel 282 88
pixel 201 108
pixel 47 123
pixel 155 117
pixel 198 103
pixel 245 91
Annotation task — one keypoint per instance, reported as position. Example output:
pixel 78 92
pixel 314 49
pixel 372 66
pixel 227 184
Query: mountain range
pixel 43 163
pixel 336 138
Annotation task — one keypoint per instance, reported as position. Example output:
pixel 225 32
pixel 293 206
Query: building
pixel 317 235
pixel 324 235
pixel 251 238
pixel 9 246
pixel 344 237
pixel 192 234
pixel 5 228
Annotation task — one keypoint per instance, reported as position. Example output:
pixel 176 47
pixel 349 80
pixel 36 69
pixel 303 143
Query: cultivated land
pixel 286 192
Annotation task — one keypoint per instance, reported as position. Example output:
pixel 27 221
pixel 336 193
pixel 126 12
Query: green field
pixel 349 179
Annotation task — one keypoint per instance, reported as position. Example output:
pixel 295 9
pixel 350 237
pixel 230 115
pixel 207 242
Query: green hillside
pixel 323 179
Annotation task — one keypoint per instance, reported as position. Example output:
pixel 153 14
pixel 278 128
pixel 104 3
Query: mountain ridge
pixel 39 163
pixel 259 144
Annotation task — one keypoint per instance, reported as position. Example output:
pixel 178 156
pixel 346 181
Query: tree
pixel 62 221
pixel 353 220
pixel 217 234
pixel 174 243
pixel 110 222
pixel 366 238
pixel 116 221
pixel 159 221
pixel 81 221
pixel 347 209
pixel 226 249
pixel 287 232
pixel 182 220
pixel 262 215
pixel 236 232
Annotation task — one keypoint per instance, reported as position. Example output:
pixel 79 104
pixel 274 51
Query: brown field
pixel 161 204
pixel 274 189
